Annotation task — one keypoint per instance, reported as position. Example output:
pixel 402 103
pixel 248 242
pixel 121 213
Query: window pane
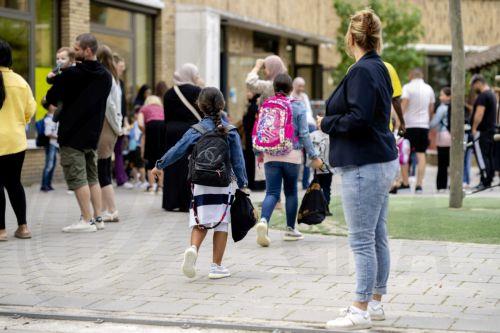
pixel 15 4
pixel 308 74
pixel 439 71
pixel 16 33
pixel 45 49
pixel 110 17
pixel 304 55
pixel 122 46
pixel 143 49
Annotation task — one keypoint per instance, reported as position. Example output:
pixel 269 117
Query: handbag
pixel 186 102
pixel 243 215
pixel 443 139
pixel 313 207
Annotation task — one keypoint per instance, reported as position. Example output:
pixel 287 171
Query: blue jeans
pixel 365 197
pixel 276 172
pixel 50 165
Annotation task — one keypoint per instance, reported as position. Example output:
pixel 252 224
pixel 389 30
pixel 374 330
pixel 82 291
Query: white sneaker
pixel 99 223
pixel 128 185
pixel 262 237
pixel 350 319
pixel 110 217
pixel 81 226
pixel 188 265
pixel 292 234
pixel 376 312
pixel 218 272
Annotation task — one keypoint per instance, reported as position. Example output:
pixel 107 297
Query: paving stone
pixel 133 267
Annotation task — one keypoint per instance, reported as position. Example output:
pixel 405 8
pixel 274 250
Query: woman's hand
pixel 318 122
pixel 156 173
pixel 316 163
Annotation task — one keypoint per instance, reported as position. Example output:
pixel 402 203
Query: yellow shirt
pixel 396 84
pixel 18 108
pixel 397 90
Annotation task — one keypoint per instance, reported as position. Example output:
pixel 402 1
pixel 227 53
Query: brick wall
pixel 75 19
pixel 33 168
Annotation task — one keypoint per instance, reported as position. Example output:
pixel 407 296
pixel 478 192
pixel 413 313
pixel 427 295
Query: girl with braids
pixel 210 205
pixel 17 106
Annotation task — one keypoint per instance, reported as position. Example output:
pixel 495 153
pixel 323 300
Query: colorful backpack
pixel 273 132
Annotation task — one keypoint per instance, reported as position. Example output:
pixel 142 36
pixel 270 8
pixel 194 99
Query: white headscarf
pixel 187 74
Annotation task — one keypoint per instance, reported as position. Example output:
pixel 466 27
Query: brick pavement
pixel 131 269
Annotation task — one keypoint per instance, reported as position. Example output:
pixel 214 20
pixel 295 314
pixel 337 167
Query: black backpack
pixel 210 163
pixel 243 215
pixel 313 207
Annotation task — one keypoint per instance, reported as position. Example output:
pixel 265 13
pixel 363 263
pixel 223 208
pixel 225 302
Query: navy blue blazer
pixel 358 114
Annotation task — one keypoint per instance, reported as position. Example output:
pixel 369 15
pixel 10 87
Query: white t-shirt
pixel 419 95
pixel 51 128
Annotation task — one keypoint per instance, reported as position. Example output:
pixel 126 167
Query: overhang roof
pixel 483 59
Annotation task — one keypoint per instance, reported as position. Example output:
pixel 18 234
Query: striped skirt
pixel 213 204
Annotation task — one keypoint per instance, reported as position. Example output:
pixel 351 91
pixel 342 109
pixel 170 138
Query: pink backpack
pixel 273 132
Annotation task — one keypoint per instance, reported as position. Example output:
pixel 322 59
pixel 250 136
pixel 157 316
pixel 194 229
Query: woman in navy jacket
pixel 364 151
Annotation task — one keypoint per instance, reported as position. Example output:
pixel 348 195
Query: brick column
pixel 165 43
pixel 75 20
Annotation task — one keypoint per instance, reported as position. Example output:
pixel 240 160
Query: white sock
pixel 263 220
pixel 355 309
pixel 195 248
pixel 374 304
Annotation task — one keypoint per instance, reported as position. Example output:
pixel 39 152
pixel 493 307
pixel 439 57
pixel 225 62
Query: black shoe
pixel 404 187
pixel 394 190
pixel 51 188
pixel 480 187
pixel 44 189
pixel 328 213
pixel 418 190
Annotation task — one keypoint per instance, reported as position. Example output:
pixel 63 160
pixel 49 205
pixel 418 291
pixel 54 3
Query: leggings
pixel 10 179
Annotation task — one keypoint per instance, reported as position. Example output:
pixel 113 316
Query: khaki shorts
pixel 79 167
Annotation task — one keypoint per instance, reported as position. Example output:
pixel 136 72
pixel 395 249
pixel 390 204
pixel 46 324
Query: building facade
pixel 222 37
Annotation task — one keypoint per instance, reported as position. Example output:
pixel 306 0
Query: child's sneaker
pixel 188 265
pixel 218 272
pixel 262 237
pixel 81 226
pixel 99 223
pixel 292 234
pixel 351 319
pixel 376 311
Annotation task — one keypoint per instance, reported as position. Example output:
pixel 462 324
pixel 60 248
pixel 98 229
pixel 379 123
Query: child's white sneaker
pixel 376 311
pixel 218 272
pixel 351 319
pixel 262 237
pixel 188 265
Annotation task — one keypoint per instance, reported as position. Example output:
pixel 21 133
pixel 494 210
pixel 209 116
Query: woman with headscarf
pixel 181 112
pixel 273 65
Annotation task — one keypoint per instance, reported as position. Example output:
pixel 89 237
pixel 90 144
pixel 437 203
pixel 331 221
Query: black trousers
pixel 104 171
pixel 443 164
pixel 484 149
pixel 10 179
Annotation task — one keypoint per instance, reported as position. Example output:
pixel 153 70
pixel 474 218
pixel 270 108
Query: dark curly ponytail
pixel 5 61
pixel 211 103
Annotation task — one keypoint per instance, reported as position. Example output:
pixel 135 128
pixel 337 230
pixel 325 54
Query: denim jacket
pixel 185 144
pixel 301 129
pixel 440 119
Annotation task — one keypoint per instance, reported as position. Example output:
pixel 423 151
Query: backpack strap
pixel 199 128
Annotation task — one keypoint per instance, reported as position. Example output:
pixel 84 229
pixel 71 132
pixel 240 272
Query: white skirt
pixel 212 205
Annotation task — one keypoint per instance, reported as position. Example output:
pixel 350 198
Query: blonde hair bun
pixel 365 29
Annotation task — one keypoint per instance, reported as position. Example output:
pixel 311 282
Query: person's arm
pixel 431 110
pixel 396 103
pixel 254 84
pixel 478 118
pixel 438 117
pixel 30 107
pixel 179 150
pixel 303 129
pixel 140 121
pixel 237 160
pixel 361 98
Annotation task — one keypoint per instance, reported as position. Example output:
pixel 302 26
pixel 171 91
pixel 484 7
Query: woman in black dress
pixel 178 119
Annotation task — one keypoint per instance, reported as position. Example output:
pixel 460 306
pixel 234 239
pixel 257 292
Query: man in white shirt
pixel 417 102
